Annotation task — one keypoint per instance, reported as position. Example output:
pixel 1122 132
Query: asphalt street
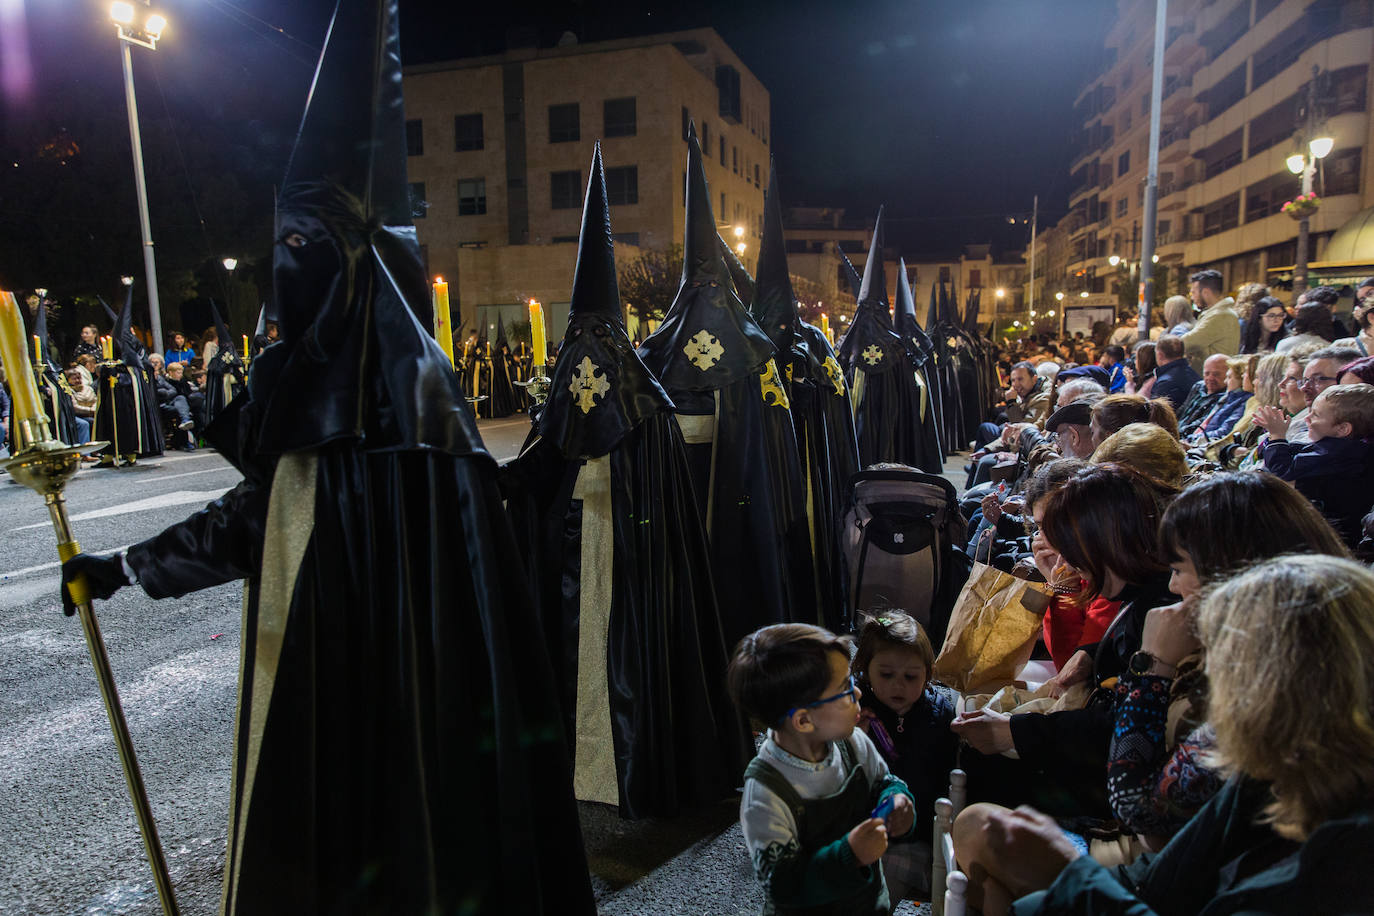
pixel 70 841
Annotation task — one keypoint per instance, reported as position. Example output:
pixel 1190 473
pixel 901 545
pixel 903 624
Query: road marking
pixel 175 498
pixel 44 567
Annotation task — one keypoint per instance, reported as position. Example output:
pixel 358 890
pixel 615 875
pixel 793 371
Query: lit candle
pixel 107 347
pixel 443 328
pixel 825 326
pixel 37 351
pixel 245 346
pixel 538 333
pixel 23 388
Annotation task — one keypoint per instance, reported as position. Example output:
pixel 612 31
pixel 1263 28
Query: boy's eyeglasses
pixel 853 688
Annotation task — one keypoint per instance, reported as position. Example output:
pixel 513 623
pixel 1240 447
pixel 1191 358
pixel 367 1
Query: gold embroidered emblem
pixel 703 350
pixel 832 371
pixel 873 354
pixel 771 385
pixel 586 385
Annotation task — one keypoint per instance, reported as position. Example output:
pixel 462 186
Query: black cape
pixel 225 375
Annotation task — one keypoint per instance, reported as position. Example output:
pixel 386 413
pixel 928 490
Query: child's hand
pixel 1273 420
pixel 902 817
pixel 869 841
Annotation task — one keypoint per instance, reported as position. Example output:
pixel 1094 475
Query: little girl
pixel 908 719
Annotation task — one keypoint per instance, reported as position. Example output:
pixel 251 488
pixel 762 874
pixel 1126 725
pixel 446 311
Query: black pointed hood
pixel 933 311
pixel 600 388
pixel 708 339
pixel 739 274
pixel 109 312
pixel 127 347
pixel 355 360
pixel 501 333
pixel 873 291
pixel 855 284
pixel 975 302
pixel 40 330
pixel 774 305
pixel 871 344
pixel 904 316
pixel 222 335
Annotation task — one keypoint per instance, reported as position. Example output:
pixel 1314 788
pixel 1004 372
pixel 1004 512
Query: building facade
pixel 500 148
pixel 1237 74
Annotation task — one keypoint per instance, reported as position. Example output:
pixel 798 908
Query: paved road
pixel 68 840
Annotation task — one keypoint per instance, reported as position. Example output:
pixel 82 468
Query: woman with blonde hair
pixel 1290 659
pixel 1178 314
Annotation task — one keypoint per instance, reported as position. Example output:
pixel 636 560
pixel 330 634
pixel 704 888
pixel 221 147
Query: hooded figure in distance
pixel 225 375
pixel 881 374
pixel 821 413
pixel 916 343
pixel 52 384
pixel 717 365
pixel 399 747
pixel 126 414
pixel 603 506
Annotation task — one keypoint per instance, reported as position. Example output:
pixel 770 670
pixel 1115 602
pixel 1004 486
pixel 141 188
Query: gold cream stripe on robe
pixel 594 777
pixel 290 524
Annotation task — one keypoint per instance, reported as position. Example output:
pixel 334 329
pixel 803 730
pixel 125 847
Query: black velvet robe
pixel 126 414
pixel 224 380
pixel 887 399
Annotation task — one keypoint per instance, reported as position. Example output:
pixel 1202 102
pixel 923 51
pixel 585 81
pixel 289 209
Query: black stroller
pixel 902 541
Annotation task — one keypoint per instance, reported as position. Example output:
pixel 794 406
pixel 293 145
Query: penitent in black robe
pixel 605 514
pixel 126 411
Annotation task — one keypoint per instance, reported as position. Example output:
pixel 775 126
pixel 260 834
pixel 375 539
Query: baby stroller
pixel 902 540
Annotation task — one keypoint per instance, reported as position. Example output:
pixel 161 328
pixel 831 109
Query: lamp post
pixel 1306 166
pixel 145 36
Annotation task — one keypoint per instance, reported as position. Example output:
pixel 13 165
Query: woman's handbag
pixel 992 629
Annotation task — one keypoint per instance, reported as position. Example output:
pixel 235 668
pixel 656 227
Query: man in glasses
pixel 1323 370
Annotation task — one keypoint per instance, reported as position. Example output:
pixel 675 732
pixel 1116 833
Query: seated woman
pixel 1146 448
pixel 1158 776
pixel 1118 410
pixel 1102 523
pixel 1263 378
pixel 1292 829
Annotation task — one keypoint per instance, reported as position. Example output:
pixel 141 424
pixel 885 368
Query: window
pixel 1341 172
pixel 727 89
pixel 1221 155
pixel 619 117
pixel 625 238
pixel 686 122
pixel 418 206
pixel 563 239
pixel 975 279
pixel 705 137
pixel 1121 204
pixel 472 196
pixel 1348 90
pixel 1224 34
pixel 722 150
pixel 415 138
pixel 1222 215
pixel 944 274
pixel 734 159
pixel 1280 53
pixel 1265 198
pixel 565 190
pixel 1274 126
pixel 565 123
pixel 1229 90
pixel 1125 121
pixel 757 183
pixel 622 185
pixel 1123 163
pixel 467 132
pixel 721 211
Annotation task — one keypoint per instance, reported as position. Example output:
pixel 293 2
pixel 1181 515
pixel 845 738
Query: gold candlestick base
pixel 538 388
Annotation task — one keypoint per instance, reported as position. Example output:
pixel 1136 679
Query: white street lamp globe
pixel 122 12
pixel 230 263
pixel 1296 163
pixel 1114 260
pixel 1059 296
pixel 127 280
pixel 154 25
pixel 1083 295
pixel 1001 293
pixel 1321 147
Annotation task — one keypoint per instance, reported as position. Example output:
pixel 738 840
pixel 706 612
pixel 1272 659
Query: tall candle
pixel 37 351
pixel 15 359
pixel 538 333
pixel 245 346
pixel 107 347
pixel 825 325
pixel 443 327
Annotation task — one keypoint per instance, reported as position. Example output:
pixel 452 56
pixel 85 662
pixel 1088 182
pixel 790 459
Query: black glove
pixel 104 575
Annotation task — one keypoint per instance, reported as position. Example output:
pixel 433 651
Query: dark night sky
pixel 952 112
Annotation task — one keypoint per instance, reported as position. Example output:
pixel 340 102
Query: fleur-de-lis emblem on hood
pixel 873 354
pixel 832 372
pixel 774 394
pixel 704 350
pixel 587 385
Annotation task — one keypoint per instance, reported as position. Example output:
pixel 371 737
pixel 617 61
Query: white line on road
pixel 44 567
pixel 175 498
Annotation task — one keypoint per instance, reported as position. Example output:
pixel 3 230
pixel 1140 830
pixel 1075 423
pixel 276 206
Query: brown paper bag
pixel 992 630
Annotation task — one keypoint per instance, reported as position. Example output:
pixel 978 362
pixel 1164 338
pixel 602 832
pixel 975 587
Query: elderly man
pixel 1218 327
pixel 1323 369
pixel 1174 376
pixel 1028 402
pixel 1205 394
pixel 1072 425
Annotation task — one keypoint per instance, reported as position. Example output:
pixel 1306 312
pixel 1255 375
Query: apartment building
pixel 1236 77
pixel 500 148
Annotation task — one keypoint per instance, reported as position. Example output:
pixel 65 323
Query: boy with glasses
pixel 819 802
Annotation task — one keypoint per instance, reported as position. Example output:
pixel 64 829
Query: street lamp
pixel 1306 166
pixel 1083 295
pixel 230 264
pixel 126 280
pixel 739 232
pixel 1001 293
pixel 1059 296
pixel 145 36
pixel 740 248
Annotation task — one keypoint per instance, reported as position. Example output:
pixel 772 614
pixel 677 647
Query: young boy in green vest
pixel 819 803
